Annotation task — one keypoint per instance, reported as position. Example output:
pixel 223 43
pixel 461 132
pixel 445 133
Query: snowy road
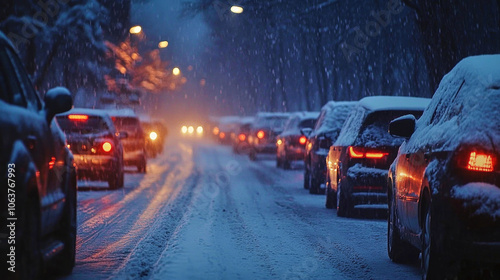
pixel 202 212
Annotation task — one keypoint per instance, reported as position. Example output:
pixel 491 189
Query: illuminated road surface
pixel 202 212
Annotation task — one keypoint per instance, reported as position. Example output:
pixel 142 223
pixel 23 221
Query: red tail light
pixel 356 152
pixel 78 117
pixel 242 137
pixel 261 134
pixel 52 162
pixel 481 162
pixel 302 140
pixel 106 146
pixel 222 135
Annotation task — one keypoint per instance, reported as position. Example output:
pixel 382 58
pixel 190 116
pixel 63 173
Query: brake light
pixel 260 134
pixel 242 137
pixel 302 140
pixel 52 162
pixel 222 135
pixel 356 152
pixel 106 146
pixel 480 162
pixel 215 130
pixel 78 117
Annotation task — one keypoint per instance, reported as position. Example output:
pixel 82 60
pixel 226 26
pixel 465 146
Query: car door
pixel 401 184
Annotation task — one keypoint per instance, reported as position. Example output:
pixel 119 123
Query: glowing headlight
pixel 153 135
pixel 190 129
pixel 184 129
pixel 199 130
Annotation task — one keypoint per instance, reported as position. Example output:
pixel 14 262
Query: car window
pixel 30 95
pixel 128 124
pixel 92 125
pixel 351 127
pixel 3 82
pixel 307 123
pixel 13 88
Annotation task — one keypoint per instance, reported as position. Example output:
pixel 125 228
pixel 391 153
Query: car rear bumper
pixel 95 167
pixel 133 157
pixel 367 185
pixel 295 153
pixel 265 148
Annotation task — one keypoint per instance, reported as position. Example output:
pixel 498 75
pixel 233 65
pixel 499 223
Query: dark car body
pixel 134 146
pixel 448 169
pixel 359 160
pixel 291 143
pixel 325 132
pixel 38 205
pixel 95 144
pixel 239 137
pixel 264 132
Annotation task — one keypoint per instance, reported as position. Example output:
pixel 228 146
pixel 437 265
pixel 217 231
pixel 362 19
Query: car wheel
pixel 141 168
pixel 306 177
pixel 278 161
pixel 314 185
pixel 331 197
pixel 29 247
pixel 343 205
pixel 252 155
pixel 286 163
pixel 120 180
pixel 66 260
pixel 399 251
pixel 433 264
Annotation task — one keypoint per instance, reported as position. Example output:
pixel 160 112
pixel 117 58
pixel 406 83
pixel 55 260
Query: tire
pixel 141 168
pixel 117 181
pixel 286 163
pixel 331 199
pixel 306 177
pixel 433 263
pixel 398 250
pixel 344 208
pixel 314 185
pixel 65 261
pixel 279 164
pixel 29 265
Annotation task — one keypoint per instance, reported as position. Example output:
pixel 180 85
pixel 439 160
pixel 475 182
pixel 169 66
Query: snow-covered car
pixel 444 186
pixel 239 137
pixel 359 160
pixel 264 132
pixel 319 140
pixel 291 143
pixel 38 200
pixel 95 144
pixel 134 145
pixel 227 126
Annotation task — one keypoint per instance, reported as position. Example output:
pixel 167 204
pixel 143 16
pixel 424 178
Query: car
pixel 227 126
pixel 192 130
pixel 359 160
pixel 319 140
pixel 95 144
pixel 444 185
pixel 264 132
pixel 38 204
pixel 291 142
pixel 155 134
pixel 134 146
pixel 239 137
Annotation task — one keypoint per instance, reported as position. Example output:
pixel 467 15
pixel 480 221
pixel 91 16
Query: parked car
pixel 227 125
pixel 291 142
pixel 319 140
pixel 264 132
pixel 444 186
pixel 134 146
pixel 239 137
pixel 359 160
pixel 38 204
pixel 95 144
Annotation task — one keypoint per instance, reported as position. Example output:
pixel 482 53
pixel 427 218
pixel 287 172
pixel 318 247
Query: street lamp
pixel 176 71
pixel 135 29
pixel 237 9
pixel 162 44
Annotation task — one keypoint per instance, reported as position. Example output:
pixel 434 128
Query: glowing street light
pixel 162 44
pixel 237 9
pixel 176 71
pixel 135 29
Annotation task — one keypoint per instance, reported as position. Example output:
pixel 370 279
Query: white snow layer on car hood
pixel 483 197
pixel 470 117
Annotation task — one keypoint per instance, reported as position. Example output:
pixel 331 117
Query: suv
pixel 264 132
pixel 359 160
pixel 134 149
pixel 38 176
pixel 444 186
pixel 96 145
pixel 325 132
pixel 291 143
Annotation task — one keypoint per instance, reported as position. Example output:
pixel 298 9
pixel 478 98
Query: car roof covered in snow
pixel 305 115
pixel 465 108
pixel 271 114
pixel 122 113
pixel 333 115
pixel 388 103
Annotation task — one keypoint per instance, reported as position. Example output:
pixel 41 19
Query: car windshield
pixel 375 129
pixel 307 123
pixel 92 125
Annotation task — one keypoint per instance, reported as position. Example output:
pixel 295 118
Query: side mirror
pixel 403 126
pixel 122 134
pixel 57 100
pixel 306 131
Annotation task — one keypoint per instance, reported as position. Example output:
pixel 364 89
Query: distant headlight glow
pixel 153 135
pixel 199 130
pixel 190 129
pixel 184 129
